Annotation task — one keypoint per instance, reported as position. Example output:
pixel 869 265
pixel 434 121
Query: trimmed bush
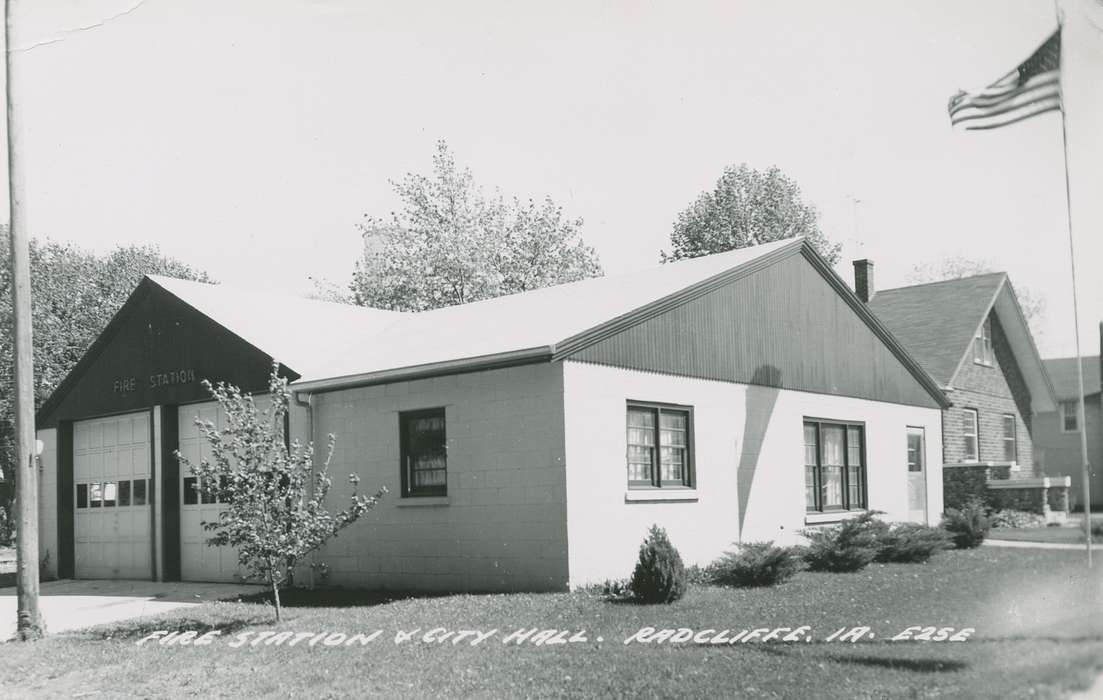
pixel 1016 518
pixel 756 564
pixel 968 525
pixel 910 542
pixel 610 588
pixel 849 546
pixel 660 576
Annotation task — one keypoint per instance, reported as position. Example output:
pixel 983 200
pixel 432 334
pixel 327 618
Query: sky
pixel 248 138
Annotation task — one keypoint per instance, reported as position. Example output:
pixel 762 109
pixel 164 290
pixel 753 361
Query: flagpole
pixel 1081 413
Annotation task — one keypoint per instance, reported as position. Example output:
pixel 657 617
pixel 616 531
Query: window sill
pixel 831 517
pixel 422 501
pixel 660 495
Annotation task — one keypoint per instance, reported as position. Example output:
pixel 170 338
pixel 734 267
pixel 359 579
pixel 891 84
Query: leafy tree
pixel 74 294
pixel 956 267
pixel 451 243
pixel 745 208
pixel 272 493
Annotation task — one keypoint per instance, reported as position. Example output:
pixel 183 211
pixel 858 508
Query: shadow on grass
pixel 915 665
pixel 136 629
pixel 335 597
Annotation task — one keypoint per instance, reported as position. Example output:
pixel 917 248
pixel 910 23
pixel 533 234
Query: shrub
pixel 1016 518
pixel 910 542
pixel 699 575
pixel 610 587
pixel 968 525
pixel 755 564
pixel 849 546
pixel 660 576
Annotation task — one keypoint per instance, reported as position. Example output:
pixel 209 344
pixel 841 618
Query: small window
pixel 660 453
pixel 124 493
pixel 1070 416
pixel 95 497
pixel 208 494
pixel 82 495
pixel 110 494
pixel 982 344
pixel 139 492
pixel 424 453
pixel 915 449
pixel 1010 444
pixel 191 494
pixel 970 426
pixel 834 466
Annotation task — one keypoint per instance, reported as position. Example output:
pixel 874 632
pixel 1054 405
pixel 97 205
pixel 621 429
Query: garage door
pixel 111 473
pixel 198 560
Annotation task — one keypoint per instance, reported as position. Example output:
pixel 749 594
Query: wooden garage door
pixel 198 560
pixel 111 475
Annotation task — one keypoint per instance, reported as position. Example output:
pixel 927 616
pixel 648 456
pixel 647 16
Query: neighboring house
pixel 527 442
pixel 1057 434
pixel 971 336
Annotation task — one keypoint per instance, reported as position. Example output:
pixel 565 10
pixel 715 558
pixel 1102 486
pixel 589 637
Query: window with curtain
pixel 424 453
pixel 659 446
pixel 834 466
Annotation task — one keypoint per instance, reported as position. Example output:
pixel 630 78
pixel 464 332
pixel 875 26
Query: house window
pixel 915 449
pixel 139 492
pixel 970 422
pixel 1010 446
pixel 834 466
pixel 1070 416
pixel 424 453
pixel 982 344
pixel 124 493
pixel 660 446
pixel 82 495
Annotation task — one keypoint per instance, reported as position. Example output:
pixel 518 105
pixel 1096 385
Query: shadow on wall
pixel 761 397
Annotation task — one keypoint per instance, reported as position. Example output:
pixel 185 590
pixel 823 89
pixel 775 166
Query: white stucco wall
pixel 47 500
pixel 748 440
pixel 504 524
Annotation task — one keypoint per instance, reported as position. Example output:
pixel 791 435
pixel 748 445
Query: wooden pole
pixel 29 619
pixel 1081 414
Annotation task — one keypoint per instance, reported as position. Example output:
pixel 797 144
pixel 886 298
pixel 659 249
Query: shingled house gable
pixel 784 325
pixel 155 351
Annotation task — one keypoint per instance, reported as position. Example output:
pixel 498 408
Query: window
pixel 970 422
pixel 834 466
pixel 139 492
pixel 95 498
pixel 915 449
pixel 82 495
pixel 424 453
pixel 982 344
pixel 124 493
pixel 1070 416
pixel 191 493
pixel 1010 448
pixel 660 451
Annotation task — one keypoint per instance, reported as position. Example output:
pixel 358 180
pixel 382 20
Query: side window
pixel 424 453
pixel 660 446
pixel 139 492
pixel 834 466
pixel 970 432
pixel 124 493
pixel 191 495
pixel 82 495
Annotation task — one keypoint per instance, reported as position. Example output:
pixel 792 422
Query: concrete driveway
pixel 70 605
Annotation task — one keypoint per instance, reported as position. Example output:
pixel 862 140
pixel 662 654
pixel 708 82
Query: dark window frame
pixel 975 413
pixel 689 477
pixel 983 353
pixel 1065 414
pixel 817 471
pixel 404 465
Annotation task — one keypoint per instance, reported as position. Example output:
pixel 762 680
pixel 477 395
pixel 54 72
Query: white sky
pixel 249 138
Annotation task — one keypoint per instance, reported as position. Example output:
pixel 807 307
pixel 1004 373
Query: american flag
pixel 1034 87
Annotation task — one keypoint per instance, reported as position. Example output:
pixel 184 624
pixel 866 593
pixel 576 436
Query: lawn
pixel 1037 615
pixel 1071 533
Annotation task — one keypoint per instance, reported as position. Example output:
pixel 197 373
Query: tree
pixel 451 243
pixel 273 495
pixel 1032 303
pixel 75 294
pixel 746 208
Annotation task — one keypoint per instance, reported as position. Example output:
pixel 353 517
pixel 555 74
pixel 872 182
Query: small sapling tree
pixel 272 494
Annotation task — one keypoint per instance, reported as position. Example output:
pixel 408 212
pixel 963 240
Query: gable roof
pixel 937 322
pixel 1062 372
pixel 336 345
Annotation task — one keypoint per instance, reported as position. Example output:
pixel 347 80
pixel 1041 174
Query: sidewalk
pixel 1041 545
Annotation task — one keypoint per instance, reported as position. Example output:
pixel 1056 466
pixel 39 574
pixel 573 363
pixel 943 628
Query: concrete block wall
pixel 992 391
pixel 502 526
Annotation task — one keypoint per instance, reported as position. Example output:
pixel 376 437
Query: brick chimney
pixel 863 280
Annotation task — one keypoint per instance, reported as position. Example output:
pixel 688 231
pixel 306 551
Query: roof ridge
pixel 945 281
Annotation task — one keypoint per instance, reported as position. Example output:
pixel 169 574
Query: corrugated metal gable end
pixel 787 322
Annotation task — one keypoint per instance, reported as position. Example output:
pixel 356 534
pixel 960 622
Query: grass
pixel 1061 535
pixel 1037 613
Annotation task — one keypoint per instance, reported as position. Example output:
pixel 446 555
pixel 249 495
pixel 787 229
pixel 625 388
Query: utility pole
pixel 29 621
